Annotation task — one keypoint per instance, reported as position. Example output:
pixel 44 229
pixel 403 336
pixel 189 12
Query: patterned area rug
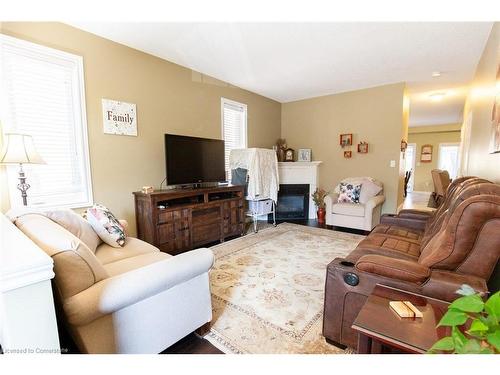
pixel 267 289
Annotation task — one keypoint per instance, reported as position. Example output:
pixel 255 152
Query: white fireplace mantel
pixel 301 172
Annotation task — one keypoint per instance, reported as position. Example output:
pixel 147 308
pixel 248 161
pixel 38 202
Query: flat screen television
pixel 191 160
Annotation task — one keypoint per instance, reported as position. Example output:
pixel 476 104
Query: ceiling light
pixel 436 74
pixel 437 97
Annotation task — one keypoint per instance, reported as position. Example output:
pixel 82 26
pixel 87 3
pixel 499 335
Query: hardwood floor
pixel 192 344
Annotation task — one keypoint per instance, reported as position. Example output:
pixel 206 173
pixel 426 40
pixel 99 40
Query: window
pixel 43 94
pixel 448 158
pixel 234 127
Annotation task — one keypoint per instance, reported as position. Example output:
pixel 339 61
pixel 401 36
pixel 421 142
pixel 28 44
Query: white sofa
pixel 363 215
pixel 133 299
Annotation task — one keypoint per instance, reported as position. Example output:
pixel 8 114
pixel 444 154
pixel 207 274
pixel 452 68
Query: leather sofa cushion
pixel 388 243
pixel 131 263
pixel 349 209
pixel 399 232
pixel 399 269
pixel 359 252
pixel 133 247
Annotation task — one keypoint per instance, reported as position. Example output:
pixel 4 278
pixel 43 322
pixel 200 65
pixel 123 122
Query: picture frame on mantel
pixel 304 155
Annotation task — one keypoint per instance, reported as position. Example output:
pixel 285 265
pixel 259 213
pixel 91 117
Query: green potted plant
pixel 318 198
pixel 475 325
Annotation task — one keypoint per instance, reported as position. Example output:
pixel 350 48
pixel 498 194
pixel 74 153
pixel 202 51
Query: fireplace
pixel 293 202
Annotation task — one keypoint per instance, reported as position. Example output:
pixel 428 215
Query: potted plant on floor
pixel 319 201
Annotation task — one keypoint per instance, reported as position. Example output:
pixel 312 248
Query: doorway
pixel 410 157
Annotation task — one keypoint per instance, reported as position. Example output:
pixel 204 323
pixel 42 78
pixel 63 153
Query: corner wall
pixel 373 115
pixel 478 108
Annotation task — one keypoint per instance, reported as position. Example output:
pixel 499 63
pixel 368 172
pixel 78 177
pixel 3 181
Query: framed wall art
pixel 345 140
pixel 119 117
pixel 347 154
pixel 426 154
pixel 495 120
pixel 363 148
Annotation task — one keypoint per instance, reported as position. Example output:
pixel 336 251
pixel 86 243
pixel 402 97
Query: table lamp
pixel 19 149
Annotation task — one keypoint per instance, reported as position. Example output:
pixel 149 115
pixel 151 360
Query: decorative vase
pixel 321 215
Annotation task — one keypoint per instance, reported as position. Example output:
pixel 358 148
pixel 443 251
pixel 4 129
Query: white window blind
pixel 43 94
pixel 234 127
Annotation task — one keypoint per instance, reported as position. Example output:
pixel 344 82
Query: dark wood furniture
pixel 381 330
pixel 179 220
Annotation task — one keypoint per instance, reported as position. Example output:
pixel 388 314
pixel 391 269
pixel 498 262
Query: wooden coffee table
pixel 381 330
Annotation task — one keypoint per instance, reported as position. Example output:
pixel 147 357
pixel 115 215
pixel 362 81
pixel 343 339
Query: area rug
pixel 268 287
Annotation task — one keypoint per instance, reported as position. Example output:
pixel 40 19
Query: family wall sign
pixel 119 117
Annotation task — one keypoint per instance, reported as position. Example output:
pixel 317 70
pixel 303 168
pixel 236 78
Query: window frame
pixel 245 122
pixel 79 119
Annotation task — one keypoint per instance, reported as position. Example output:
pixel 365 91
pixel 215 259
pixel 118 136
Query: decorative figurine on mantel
pixel 281 149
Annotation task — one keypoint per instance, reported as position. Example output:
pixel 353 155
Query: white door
pixel 410 156
pixel 448 158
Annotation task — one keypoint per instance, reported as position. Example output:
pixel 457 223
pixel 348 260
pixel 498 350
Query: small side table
pixel 381 330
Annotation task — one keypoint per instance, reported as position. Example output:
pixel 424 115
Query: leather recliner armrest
pixel 399 269
pixel 416 224
pixel 415 214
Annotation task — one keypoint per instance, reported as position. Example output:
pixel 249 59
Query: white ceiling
pixel 293 61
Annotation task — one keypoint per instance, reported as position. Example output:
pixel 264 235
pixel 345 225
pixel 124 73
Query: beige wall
pixel 373 115
pixel 169 98
pixel 430 135
pixel 479 107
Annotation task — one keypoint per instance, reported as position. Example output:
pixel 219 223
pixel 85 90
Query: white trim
pixel 237 104
pixel 32 49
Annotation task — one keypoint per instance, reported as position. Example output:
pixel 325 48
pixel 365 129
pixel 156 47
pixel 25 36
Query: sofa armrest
pixel 375 201
pixel 115 293
pixel 400 269
pixel 444 284
pixel 390 219
pixel 416 214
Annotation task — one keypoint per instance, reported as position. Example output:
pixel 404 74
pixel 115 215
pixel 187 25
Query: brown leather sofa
pixel 431 254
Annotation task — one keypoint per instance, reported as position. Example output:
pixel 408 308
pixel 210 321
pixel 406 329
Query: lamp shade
pixel 19 148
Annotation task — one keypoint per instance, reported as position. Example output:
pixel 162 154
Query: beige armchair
pixel 441 180
pixel 363 215
pixel 132 299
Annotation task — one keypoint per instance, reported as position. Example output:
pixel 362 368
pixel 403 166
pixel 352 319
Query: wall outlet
pixel 393 164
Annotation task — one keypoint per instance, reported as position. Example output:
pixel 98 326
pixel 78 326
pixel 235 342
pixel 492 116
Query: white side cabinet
pixel 27 315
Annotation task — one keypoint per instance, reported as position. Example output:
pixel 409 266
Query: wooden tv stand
pixel 191 217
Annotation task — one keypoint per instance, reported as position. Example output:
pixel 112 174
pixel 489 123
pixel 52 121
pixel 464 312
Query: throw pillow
pixel 105 224
pixel 77 225
pixel 349 193
pixel 369 190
